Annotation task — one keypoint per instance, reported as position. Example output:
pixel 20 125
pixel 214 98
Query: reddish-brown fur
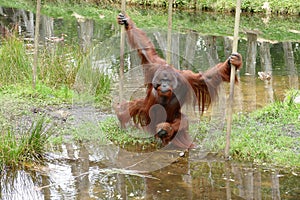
pixel 162 110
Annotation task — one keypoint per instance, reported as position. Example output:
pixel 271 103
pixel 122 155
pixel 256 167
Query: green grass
pixel 89 132
pixel 41 95
pixel 56 66
pixel 23 147
pixel 126 137
pixel 93 84
pixel 15 65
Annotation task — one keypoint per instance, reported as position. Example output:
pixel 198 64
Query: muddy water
pixel 96 171
pixel 88 172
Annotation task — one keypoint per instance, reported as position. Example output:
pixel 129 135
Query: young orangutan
pixel 168 89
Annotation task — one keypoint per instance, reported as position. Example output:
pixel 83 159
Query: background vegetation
pixel 280 7
pixel 270 27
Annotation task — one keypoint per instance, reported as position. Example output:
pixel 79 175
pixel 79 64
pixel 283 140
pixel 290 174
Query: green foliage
pixel 34 140
pixel 15 66
pixel 159 3
pixel 264 143
pixel 102 92
pixel 108 131
pixel 200 130
pixel 18 147
pixel 56 66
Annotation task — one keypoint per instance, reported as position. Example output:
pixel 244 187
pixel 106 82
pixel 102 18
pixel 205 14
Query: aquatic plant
pixel 12 95
pixel 92 83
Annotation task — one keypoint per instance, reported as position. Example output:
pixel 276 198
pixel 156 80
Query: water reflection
pixel 74 174
pixel 20 185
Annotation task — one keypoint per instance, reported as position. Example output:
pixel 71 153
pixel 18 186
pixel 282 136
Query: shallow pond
pixel 93 171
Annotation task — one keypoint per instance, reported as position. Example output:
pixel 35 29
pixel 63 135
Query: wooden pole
pixel 232 77
pixel 169 37
pixel 36 43
pixel 122 48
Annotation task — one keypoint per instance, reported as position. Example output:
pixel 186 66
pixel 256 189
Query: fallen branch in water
pixel 108 172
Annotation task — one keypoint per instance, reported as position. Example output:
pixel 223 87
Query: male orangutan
pixel 167 89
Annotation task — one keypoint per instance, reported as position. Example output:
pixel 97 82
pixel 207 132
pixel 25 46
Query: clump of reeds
pixel 20 147
pixel 15 65
pixel 59 65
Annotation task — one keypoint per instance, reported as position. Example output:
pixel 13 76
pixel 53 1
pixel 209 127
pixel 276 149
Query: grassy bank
pixel 268 136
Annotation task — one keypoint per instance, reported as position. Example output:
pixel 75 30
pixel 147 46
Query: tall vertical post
pixel 169 37
pixel 251 52
pixel 36 43
pixel 122 47
pixel 232 77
